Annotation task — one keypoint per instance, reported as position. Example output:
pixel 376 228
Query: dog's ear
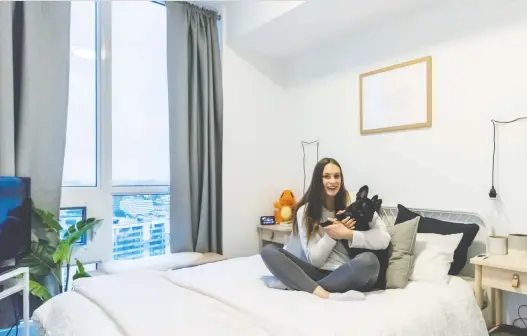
pixel 374 198
pixel 377 205
pixel 363 192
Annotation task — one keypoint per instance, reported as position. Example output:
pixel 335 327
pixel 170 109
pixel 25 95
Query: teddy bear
pixel 283 209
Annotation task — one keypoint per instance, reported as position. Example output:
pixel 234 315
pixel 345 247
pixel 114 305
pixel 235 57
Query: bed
pixel 228 298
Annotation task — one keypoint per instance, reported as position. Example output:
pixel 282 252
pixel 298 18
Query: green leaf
pixel 81 272
pixel 39 259
pixel 52 237
pixel 62 252
pixel 38 290
pixel 48 220
pixel 80 229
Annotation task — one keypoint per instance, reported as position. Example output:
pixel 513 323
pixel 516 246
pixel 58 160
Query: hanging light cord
pixel 493 192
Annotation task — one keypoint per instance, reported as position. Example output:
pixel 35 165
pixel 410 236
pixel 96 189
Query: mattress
pixel 228 298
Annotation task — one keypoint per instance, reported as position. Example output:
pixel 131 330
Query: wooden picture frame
pixel 397 97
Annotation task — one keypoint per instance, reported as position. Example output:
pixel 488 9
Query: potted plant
pixel 51 251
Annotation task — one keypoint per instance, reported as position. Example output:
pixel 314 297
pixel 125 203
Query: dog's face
pixel 363 209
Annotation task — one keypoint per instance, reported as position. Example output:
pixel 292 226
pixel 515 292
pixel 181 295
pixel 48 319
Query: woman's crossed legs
pixel 357 275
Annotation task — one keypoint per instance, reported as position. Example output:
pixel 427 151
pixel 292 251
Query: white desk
pixel 20 285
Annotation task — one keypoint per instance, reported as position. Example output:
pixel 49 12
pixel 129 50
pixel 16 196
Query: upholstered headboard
pixel 479 245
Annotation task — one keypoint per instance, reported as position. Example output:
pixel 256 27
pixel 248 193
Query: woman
pixel 328 272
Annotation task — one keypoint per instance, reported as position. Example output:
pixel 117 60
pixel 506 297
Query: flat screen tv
pixel 15 217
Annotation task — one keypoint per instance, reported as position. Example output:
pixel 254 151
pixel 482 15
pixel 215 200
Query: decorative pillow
pixel 401 253
pixel 165 262
pixel 432 225
pixel 434 254
pixel 293 246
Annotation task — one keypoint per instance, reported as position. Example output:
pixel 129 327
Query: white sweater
pixel 326 253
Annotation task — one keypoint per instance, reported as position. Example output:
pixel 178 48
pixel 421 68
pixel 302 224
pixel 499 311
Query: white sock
pixel 272 282
pixel 350 295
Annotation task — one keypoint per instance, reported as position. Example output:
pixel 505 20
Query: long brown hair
pixel 314 199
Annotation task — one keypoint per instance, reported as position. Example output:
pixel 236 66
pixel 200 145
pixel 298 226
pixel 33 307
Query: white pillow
pixel 434 254
pixel 164 262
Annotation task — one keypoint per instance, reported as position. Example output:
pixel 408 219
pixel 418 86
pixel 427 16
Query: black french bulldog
pixel 362 210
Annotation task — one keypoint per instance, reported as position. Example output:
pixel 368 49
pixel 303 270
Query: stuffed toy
pixel 283 209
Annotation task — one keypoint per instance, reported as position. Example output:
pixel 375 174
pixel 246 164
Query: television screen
pixel 15 217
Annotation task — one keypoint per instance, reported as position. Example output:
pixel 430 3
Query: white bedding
pixel 228 298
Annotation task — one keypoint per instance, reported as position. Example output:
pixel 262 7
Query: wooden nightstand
pixel 277 233
pixel 497 273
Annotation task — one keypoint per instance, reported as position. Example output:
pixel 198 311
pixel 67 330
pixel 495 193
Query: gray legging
pixel 359 273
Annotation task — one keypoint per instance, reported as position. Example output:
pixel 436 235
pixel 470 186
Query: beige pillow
pixel 401 259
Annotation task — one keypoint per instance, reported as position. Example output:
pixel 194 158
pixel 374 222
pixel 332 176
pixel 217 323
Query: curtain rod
pixel 209 10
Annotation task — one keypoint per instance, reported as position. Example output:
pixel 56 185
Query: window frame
pixel 98 199
pixel 97 116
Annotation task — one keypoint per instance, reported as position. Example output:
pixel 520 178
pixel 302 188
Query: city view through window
pixel 141 225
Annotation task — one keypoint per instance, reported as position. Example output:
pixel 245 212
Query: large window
pixel 140 154
pixel 80 162
pixel 117 152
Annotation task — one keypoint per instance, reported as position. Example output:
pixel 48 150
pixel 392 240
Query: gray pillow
pixel 401 258
pixel 294 247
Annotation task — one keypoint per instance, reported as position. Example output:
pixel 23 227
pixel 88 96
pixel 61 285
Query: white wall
pixel 246 16
pixel 262 151
pixel 479 73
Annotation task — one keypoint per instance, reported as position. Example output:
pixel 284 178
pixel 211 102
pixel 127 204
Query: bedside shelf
pixel 19 285
pixel 277 233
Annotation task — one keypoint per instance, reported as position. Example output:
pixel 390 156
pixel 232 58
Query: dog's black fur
pixel 361 210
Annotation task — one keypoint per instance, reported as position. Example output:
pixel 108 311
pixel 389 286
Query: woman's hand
pixel 338 230
pixel 347 222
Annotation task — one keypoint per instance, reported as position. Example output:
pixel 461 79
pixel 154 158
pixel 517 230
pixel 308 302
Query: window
pixel 140 225
pixel 140 144
pixel 140 152
pixel 80 161
pixel 71 216
pixel 117 149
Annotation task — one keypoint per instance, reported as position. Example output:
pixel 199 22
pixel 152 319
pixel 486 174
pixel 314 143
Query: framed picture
pixel 70 216
pixel 397 97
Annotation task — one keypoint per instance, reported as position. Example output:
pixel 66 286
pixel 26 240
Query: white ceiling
pixel 303 26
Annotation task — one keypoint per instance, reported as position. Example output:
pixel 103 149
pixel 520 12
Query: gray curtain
pixel 34 81
pixel 195 97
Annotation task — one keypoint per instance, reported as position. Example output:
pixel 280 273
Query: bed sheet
pixel 228 298
pixel 143 303
pixel 440 309
pixel 72 314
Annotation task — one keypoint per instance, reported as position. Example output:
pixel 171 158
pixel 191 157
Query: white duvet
pixel 228 298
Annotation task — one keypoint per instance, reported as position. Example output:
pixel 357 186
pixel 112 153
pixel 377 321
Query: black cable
pixel 520 318
pixel 493 192
pixel 304 159
pixel 17 320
